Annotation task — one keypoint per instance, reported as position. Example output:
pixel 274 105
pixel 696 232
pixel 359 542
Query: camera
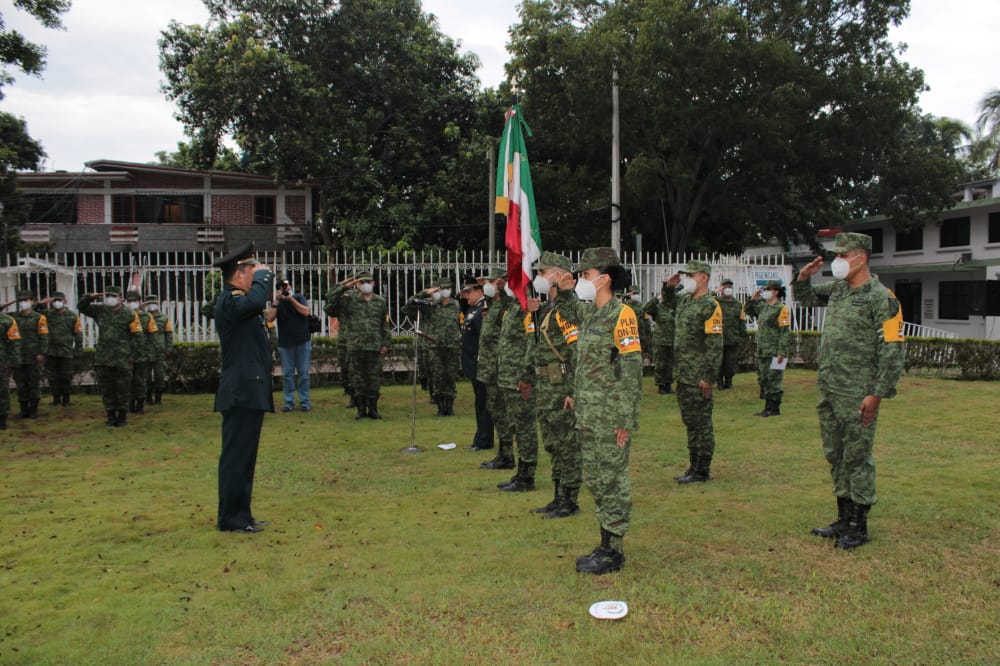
pixel 285 288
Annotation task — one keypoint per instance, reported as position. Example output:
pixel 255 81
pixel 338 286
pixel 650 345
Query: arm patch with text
pixel 627 332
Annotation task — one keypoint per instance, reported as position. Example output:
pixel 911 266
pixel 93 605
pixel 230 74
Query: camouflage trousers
pixel 156 380
pixel 443 371
pixel 28 378
pixel 771 381
pixel 140 373
pixel 663 364
pixel 696 413
pixel 4 392
pixel 344 362
pixel 847 446
pixel 424 364
pixel 115 385
pixel 59 372
pixel 501 425
pixel 559 434
pixel 730 359
pixel 605 471
pixel 366 373
pixel 520 415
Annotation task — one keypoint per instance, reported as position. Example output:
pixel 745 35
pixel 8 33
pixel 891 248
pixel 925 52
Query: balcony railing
pixel 166 237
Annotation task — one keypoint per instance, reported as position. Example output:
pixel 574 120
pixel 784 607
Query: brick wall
pixel 90 209
pixel 232 209
pixel 295 208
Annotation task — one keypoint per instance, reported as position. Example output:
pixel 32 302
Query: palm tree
pixel 986 147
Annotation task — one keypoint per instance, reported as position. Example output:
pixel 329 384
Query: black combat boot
pixel 556 497
pixel 352 403
pixel 149 396
pixel 504 458
pixel 65 399
pixel 700 471
pixel 609 558
pixel 856 533
pixel 504 484
pixel 140 406
pixel 692 460
pixel 122 419
pixel 775 406
pixel 362 405
pixel 3 421
pixel 605 538
pixel 112 417
pixel 524 481
pixel 25 409
pixel 158 398
pixel 839 526
pixel 567 504
pixel 373 409
pixel 32 409
pixel 55 399
pixel 729 382
pixel 766 411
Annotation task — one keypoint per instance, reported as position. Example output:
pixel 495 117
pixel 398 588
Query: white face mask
pixel 152 307
pixel 133 305
pixel 585 290
pixel 635 298
pixel 688 285
pixel 541 285
pixel 840 268
pixel 111 301
pixel 507 290
pixel 489 290
pixel 446 293
pixel 436 295
pixel 58 305
pixel 727 291
pixel 24 305
pixel 367 287
pixel 767 294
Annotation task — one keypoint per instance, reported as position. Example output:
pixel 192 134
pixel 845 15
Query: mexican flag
pixel 516 200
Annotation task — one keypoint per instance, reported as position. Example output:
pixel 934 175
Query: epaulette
pixel 238 292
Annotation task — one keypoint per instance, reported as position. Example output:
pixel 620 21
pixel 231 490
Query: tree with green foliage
pixel 365 97
pixel 741 120
pixel 16 50
pixel 986 146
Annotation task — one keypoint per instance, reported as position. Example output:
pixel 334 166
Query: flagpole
pixel 491 171
pixel 616 194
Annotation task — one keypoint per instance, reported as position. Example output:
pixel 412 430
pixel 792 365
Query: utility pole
pixel 616 194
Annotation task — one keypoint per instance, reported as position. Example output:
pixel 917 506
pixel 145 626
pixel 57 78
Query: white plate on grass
pixel 609 610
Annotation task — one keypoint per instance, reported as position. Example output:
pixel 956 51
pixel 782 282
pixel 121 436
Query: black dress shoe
pixel 245 528
pixel 259 523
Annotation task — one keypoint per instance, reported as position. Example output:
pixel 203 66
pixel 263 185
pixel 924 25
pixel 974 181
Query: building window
pixel 953 300
pixel 51 208
pixel 157 209
pixel 263 210
pixel 994 230
pixel 909 240
pixel 876 235
pixel 955 232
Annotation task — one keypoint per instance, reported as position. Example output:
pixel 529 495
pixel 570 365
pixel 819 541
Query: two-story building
pixel 117 206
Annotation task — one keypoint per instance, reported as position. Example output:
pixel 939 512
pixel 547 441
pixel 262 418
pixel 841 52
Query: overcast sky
pixel 99 96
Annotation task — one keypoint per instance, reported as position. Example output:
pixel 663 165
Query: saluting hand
pixel 810 269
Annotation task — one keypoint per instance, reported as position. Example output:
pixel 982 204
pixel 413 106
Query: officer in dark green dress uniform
pixel 245 382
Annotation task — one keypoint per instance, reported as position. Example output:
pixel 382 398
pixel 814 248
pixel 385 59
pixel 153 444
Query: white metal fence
pixel 184 280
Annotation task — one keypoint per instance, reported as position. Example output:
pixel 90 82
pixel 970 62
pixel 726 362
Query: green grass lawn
pixel 108 552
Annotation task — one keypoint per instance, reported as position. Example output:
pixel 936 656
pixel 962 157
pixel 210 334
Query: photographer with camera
pixel 294 343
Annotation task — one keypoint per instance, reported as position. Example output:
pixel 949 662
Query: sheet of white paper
pixel 447 446
pixel 776 365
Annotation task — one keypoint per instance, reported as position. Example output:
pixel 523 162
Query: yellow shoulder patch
pixel 461 319
pixel 784 317
pixel 13 332
pixel 135 326
pixel 713 325
pixel 77 326
pixel 892 328
pixel 43 325
pixel 627 331
pixel 568 329
pixel 168 327
pixel 151 326
pixel 743 313
pixel 529 323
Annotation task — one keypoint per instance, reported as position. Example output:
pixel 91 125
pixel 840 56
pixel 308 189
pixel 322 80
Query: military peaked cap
pixel 244 254
pixel 852 241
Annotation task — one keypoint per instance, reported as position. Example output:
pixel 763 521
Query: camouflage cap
pixel 116 291
pixel 150 298
pixel 133 295
pixel 632 289
pixel 552 260
pixel 599 258
pixel 697 267
pixel 850 240
pixel 25 294
pixel 445 283
pixel 497 274
pixel 773 284
pixel 58 295
pixel 363 275
pixel 726 281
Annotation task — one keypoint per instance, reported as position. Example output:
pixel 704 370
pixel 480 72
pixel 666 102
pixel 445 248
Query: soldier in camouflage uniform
pixel 119 343
pixel 10 357
pixel 65 344
pixel 142 364
pixel 440 320
pixel 661 310
pixel 773 326
pixel 369 337
pixel 163 342
pixel 516 381
pixel 34 330
pixel 633 299
pixel 734 330
pixel 489 338
pixel 558 331
pixel 698 340
pixel 343 361
pixel 860 361
pixel 607 390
